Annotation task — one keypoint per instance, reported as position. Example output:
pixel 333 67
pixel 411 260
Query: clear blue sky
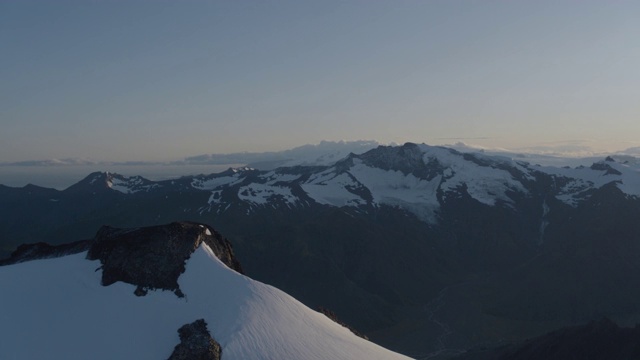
pixel 155 80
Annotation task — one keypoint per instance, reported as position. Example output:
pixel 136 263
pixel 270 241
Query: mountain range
pixel 426 250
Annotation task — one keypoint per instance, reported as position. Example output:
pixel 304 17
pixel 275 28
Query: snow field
pixel 56 308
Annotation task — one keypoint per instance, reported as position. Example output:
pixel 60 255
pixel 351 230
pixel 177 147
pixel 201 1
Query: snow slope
pixel 484 181
pixel 56 308
pixel 582 179
pixel 419 180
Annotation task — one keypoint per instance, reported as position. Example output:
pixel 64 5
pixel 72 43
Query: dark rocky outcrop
pixel 196 343
pixel 602 166
pixel 154 257
pixel 407 159
pixel 42 250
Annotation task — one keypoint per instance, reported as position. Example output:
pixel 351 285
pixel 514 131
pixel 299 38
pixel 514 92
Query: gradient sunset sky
pixel 161 80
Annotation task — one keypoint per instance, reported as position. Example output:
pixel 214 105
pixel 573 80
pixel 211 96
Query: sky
pixel 162 80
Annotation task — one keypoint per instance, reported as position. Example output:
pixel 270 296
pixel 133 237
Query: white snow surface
pixel 214 198
pixel 216 182
pixel 577 169
pixel 329 188
pixel 582 179
pixel 397 189
pixel 260 194
pixel 56 308
pixel 484 183
pixel 127 185
pixel 273 177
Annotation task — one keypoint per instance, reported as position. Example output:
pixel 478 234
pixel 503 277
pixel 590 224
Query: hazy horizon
pixel 161 81
pixel 62 173
pixel 567 149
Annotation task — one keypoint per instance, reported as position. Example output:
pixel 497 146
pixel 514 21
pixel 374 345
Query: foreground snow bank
pixel 56 308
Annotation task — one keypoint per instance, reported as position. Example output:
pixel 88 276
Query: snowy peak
pixel 577 184
pixel 56 300
pixel 129 185
pixel 103 181
pixel 417 178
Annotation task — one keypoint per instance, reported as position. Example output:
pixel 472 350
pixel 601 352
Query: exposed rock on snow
pixel 154 257
pixel 196 343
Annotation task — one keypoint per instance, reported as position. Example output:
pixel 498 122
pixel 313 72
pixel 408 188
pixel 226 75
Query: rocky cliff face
pixel 154 257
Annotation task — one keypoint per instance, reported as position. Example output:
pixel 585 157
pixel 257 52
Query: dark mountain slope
pixel 596 340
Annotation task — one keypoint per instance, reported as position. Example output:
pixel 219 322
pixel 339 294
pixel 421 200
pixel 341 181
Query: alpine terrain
pixel 427 250
pixel 163 292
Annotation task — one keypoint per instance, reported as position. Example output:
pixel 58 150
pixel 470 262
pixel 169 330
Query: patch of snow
pixel 215 197
pixel 397 189
pixel 125 186
pixel 486 184
pixel 260 194
pixel 129 185
pixel 216 182
pixel 273 177
pixel 331 189
pixel 544 222
pixel 630 184
pixel 582 179
pixel 241 169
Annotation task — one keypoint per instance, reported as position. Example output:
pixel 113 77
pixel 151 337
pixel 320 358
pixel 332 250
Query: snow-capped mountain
pixel 405 243
pixel 417 178
pixel 72 307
